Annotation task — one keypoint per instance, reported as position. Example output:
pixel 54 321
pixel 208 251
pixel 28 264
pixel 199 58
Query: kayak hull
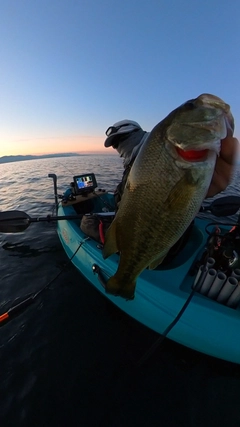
pixel 205 325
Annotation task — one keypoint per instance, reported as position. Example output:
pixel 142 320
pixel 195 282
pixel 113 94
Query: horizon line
pixel 62 152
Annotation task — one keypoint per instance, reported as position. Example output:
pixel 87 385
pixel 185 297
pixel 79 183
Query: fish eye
pixel 190 105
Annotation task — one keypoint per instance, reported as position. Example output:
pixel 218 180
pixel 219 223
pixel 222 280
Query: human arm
pixel 224 165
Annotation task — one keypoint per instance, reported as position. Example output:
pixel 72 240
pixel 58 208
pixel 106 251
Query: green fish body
pixel 165 188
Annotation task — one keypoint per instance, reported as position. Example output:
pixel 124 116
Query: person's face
pixel 117 143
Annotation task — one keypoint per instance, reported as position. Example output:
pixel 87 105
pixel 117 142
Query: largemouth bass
pixel 165 188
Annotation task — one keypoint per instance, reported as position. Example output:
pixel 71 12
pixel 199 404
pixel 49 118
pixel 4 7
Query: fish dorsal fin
pixel 110 245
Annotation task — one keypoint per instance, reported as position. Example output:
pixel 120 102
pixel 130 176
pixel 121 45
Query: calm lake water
pixel 70 359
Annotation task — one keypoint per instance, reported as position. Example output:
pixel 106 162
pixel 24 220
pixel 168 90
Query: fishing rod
pixel 30 299
pixel 224 206
pixel 18 221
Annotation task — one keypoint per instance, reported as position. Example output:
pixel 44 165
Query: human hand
pixel 224 165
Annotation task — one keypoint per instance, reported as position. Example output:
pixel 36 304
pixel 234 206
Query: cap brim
pixel 109 141
pixel 124 130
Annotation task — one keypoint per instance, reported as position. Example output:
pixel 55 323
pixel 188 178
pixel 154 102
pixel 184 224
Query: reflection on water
pixel 71 357
pixel 232 190
pixel 22 250
pixel 26 184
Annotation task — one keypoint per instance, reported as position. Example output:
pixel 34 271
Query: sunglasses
pixel 113 129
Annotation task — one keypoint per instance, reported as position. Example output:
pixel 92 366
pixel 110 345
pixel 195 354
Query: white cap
pixel 124 126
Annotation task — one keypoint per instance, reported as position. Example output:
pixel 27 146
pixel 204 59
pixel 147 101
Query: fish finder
pixel 84 184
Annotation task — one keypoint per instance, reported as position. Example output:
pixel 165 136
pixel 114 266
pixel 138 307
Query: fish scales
pixel 164 192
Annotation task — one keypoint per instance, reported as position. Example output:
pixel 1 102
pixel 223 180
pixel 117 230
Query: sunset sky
pixel 71 68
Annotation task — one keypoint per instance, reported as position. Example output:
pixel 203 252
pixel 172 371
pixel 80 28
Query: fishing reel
pixel 224 245
pixel 68 196
pixel 224 248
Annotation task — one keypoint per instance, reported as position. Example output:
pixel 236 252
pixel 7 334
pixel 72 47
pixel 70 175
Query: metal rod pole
pixel 54 177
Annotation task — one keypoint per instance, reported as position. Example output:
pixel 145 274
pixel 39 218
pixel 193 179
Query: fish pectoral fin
pixel 177 192
pixel 156 262
pixel 110 246
pixel 181 193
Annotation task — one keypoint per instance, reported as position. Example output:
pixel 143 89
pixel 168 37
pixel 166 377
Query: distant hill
pixel 9 159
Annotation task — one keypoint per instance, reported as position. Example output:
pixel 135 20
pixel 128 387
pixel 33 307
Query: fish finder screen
pixel 85 183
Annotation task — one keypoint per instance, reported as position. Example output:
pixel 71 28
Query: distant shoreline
pixel 20 158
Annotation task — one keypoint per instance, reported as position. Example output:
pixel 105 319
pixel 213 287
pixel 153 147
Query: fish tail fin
pixel 115 287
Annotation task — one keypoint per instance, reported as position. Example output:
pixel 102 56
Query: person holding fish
pixel 127 137
pixel 188 156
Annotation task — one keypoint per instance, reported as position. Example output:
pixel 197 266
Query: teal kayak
pixel 207 324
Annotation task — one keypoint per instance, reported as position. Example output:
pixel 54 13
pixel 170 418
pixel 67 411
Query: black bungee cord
pixel 16 309
pixel 159 341
pixel 162 337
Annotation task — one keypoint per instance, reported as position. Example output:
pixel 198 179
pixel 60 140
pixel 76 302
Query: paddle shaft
pixel 54 218
pixel 17 221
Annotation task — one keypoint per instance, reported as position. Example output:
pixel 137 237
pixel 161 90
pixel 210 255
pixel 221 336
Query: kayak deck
pixel 205 326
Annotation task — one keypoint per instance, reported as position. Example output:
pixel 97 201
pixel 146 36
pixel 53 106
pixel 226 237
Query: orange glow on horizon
pixel 72 144
pixel 41 146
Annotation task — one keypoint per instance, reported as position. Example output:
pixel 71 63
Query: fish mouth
pixel 192 155
pixel 200 126
pixel 198 152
